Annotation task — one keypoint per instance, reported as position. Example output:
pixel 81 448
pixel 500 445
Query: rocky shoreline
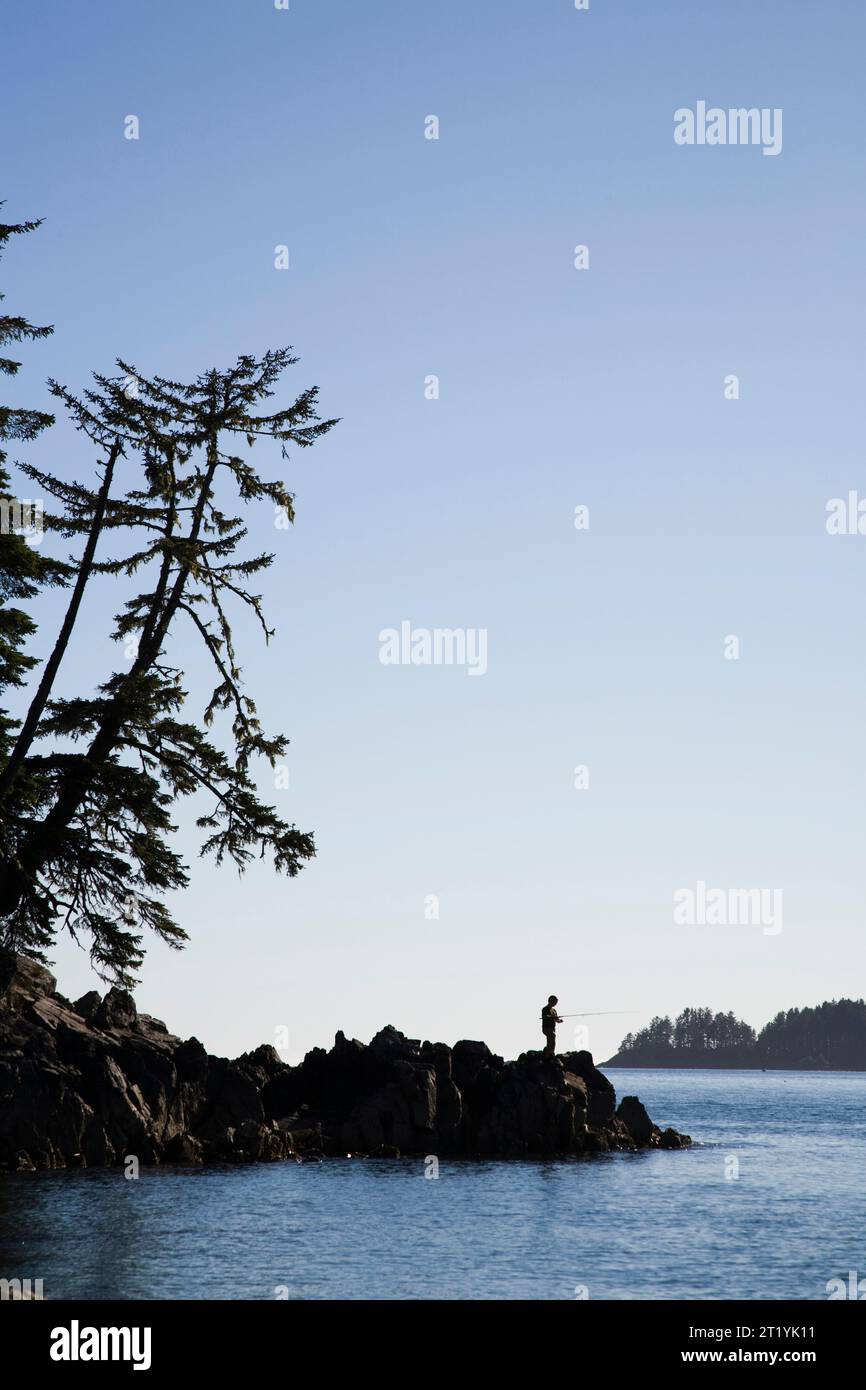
pixel 94 1083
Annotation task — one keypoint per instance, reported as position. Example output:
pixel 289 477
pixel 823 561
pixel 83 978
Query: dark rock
pixel 264 1062
pixel 22 980
pixel 467 1061
pixel 183 1148
pixel 670 1139
pixel 636 1120
pixel 601 1096
pixel 94 1082
pixel 191 1061
pixel 388 1042
pixel 87 1005
pixel 117 1010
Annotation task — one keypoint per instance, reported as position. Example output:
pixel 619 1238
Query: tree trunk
pixel 28 729
pixel 37 851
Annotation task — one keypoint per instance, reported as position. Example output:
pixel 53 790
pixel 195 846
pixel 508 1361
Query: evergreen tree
pixel 832 1034
pixel 22 568
pixel 87 833
pixel 695 1034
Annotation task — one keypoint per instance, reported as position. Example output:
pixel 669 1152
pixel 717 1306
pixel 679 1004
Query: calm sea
pixel 770 1203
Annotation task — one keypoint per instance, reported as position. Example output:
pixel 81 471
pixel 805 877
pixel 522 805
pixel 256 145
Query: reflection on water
pixel 651 1225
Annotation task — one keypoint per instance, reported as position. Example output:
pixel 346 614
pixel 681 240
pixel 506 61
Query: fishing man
pixel 549 1020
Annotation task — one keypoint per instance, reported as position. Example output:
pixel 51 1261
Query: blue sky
pixel 558 387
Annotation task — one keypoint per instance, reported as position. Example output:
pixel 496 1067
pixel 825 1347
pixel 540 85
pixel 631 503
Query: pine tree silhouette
pixel 87 819
pixel 22 569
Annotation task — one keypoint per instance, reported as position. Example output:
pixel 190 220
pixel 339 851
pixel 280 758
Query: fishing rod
pixel 604 1013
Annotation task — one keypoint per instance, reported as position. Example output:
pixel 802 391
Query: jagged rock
pixel 636 1120
pixel 254 1142
pixel 22 980
pixel 94 1082
pixel 670 1139
pixel 261 1064
pixel 191 1061
pixel 183 1149
pixel 468 1060
pixel 117 1010
pixel 601 1096
pixel 87 1005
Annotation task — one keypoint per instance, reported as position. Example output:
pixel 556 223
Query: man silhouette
pixel 549 1020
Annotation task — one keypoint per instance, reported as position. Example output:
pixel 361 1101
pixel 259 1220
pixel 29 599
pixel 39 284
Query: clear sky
pixel 559 387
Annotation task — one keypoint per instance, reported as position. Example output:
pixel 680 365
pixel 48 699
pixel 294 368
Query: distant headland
pixel 829 1037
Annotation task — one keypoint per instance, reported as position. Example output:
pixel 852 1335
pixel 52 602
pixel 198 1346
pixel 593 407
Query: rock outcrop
pixel 95 1082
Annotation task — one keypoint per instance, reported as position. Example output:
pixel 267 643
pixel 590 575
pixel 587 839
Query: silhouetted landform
pixel 97 1083
pixel 829 1037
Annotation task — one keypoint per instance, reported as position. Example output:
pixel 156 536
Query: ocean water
pixel 649 1225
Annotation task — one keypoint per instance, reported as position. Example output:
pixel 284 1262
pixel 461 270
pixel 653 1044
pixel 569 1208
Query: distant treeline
pixel 831 1036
